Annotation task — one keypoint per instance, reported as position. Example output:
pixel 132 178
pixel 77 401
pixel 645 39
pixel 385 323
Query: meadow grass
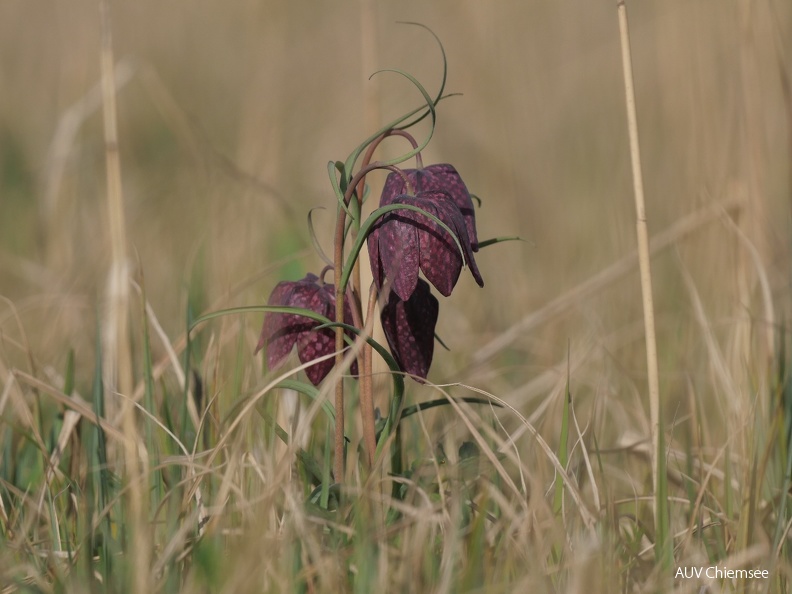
pixel 207 472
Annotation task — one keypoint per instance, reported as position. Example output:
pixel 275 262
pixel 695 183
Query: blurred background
pixel 228 114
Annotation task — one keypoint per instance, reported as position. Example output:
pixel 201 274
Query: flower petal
pixel 438 177
pixel 313 344
pixel 374 256
pixel 397 246
pixel 280 331
pixel 440 260
pixel 409 328
pixel 405 242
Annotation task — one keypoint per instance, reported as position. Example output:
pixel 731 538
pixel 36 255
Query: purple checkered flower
pixel 440 177
pixel 282 331
pixel 409 327
pixel 404 241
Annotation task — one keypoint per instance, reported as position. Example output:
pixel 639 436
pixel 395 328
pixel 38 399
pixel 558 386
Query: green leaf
pixel 411 410
pixel 314 239
pixel 332 167
pixel 311 391
pixel 381 350
pixel 312 467
pixel 563 451
pixel 443 80
pixel 495 240
pixel 257 309
pixel 431 106
pixel 399 123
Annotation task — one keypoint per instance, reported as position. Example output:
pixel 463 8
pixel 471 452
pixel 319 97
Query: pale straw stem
pixel 643 243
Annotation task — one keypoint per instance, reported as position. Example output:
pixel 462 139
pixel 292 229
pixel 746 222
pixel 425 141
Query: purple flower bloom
pixel 440 177
pixel 282 331
pixel 409 327
pixel 404 241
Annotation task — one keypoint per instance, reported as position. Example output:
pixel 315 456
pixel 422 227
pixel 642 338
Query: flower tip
pixel 262 339
pixel 474 270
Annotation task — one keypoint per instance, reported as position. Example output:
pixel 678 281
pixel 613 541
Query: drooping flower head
pixel 282 331
pixel 404 241
pixel 440 177
pixel 409 328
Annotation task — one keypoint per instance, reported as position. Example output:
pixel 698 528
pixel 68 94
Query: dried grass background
pixel 228 114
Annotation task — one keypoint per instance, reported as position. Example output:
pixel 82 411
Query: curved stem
pixel 341 281
pixel 373 146
pixel 361 185
pixel 338 256
pixel 366 382
pixel 340 288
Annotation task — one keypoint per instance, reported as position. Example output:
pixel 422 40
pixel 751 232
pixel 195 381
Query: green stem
pixel 340 288
pixel 366 383
pixel 365 362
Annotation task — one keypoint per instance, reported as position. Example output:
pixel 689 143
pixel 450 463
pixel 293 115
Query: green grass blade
pixel 311 391
pixel 101 479
pixel 68 376
pixel 183 408
pixel 664 547
pixel 312 467
pixel 494 240
pixel 297 311
pixel 327 466
pixel 422 406
pixel 563 450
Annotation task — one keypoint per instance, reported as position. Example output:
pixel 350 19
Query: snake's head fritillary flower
pixel 409 328
pixel 282 331
pixel 404 241
pixel 440 177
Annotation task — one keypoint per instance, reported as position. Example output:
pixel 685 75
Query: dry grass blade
pixel 644 264
pixel 586 515
pixel 172 357
pixel 74 402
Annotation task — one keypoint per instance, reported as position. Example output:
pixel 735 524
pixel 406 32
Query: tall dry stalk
pixel 371 121
pixel 118 359
pixel 369 59
pixel 116 327
pixel 751 242
pixel 751 181
pixel 655 405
